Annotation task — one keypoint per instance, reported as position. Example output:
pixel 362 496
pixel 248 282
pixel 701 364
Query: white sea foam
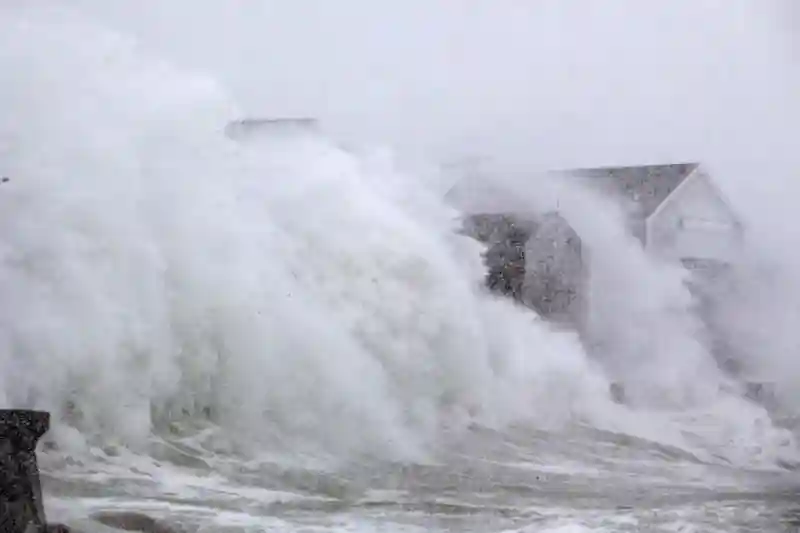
pixel 294 292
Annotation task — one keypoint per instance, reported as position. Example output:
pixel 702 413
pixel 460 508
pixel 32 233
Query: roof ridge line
pixel 691 164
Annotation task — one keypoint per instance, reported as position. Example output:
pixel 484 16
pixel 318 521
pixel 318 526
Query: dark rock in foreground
pixel 21 505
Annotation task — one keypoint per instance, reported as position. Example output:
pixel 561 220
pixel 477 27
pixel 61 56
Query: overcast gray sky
pixel 545 83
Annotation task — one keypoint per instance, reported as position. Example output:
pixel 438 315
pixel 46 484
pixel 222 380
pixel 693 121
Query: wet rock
pixel 135 521
pixel 59 528
pixel 21 505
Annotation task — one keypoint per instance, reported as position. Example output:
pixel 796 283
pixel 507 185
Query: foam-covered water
pixel 287 334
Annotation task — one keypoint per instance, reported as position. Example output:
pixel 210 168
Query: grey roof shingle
pixel 646 185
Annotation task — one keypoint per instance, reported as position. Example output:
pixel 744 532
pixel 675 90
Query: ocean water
pixel 290 335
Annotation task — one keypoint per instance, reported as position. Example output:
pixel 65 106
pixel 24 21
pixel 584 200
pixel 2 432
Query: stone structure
pixel 21 504
pixel 20 488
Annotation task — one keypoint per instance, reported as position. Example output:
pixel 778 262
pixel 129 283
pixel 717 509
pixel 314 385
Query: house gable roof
pixel 648 186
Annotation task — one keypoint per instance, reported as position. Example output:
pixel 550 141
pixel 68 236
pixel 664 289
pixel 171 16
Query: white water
pixel 149 261
pixel 293 298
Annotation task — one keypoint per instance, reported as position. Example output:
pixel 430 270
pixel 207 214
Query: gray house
pixel 535 260
pixel 675 211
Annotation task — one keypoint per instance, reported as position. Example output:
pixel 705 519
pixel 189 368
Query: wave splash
pixel 156 274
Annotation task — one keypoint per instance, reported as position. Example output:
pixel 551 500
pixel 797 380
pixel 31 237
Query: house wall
pixel 537 261
pixel 694 222
pixel 555 272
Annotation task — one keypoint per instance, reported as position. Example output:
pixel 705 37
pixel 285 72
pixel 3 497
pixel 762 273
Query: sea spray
pixel 296 294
